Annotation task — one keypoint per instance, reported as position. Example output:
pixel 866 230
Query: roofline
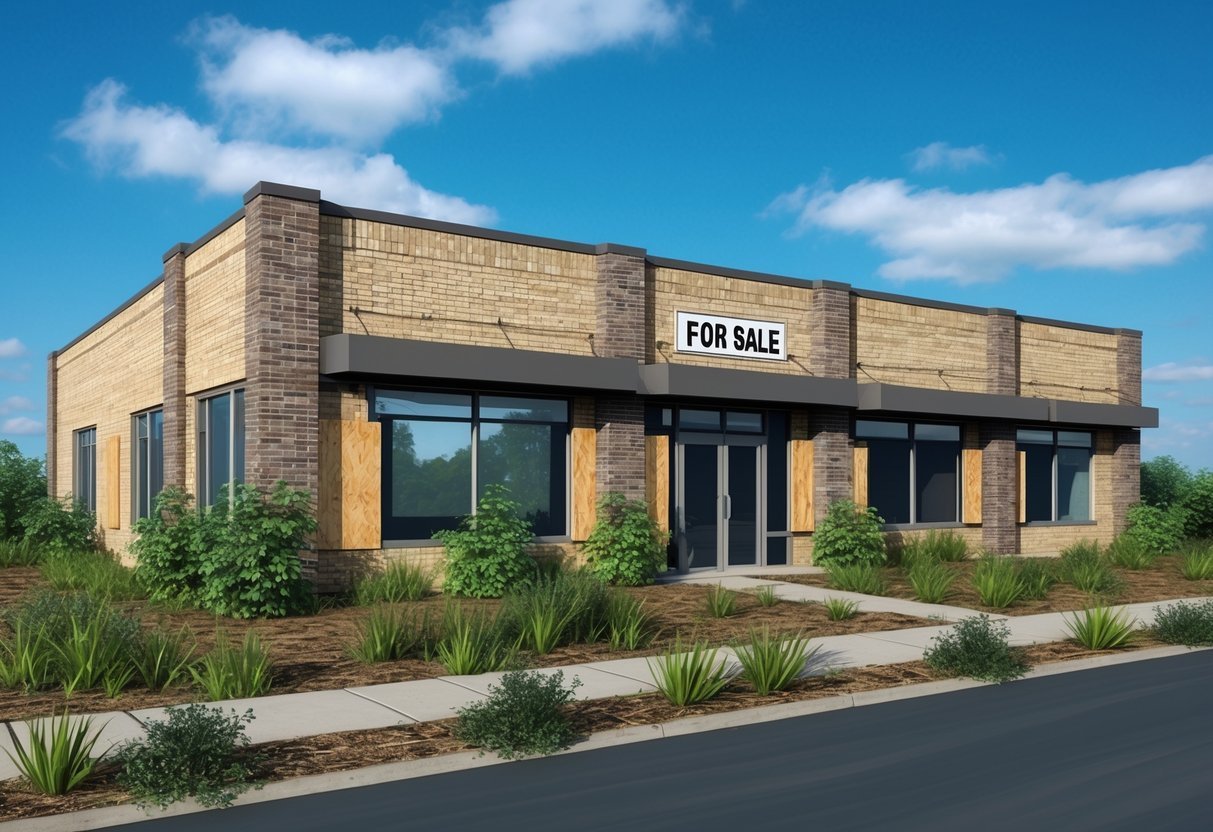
pixel 131 301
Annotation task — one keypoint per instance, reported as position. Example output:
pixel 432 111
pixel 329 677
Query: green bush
pixel 625 546
pixel 690 677
pixel 978 648
pixel 474 642
pixel 22 485
pixel 523 715
pixel 997 581
pixel 864 578
pixel 931 580
pixel 56 526
pixel 230 672
pixel 487 555
pixel 1197 564
pixel 1101 628
pixel 1037 576
pixel 399 581
pixel 849 534
pixel 1164 482
pixel 629 626
pixel 387 635
pixel 1198 502
pixel 720 602
pixel 59 756
pixel 169 547
pixel 1128 552
pixel 1189 623
pixel 96 572
pixel 1159 531
pixel 840 609
pixel 772 662
pixel 196 752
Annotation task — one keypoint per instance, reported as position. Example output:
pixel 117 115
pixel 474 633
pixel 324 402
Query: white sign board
pixel 733 337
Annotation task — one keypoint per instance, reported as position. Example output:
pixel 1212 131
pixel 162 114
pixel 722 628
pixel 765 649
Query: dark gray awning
pixel 748 385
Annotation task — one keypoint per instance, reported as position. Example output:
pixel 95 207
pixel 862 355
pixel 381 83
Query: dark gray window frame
pixel 81 459
pixel 202 434
pixel 139 476
pixel 911 425
pixel 1056 431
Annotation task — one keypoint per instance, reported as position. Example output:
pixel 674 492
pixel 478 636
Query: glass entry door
pixel 720 517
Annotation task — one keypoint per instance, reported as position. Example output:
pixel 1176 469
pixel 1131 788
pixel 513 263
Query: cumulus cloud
pixel 16 404
pixel 1138 220
pixel 22 426
pixel 11 348
pixel 943 155
pixel 1172 371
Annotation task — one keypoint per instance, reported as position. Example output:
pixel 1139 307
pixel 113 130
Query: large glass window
pixel 220 444
pixel 913 470
pixel 84 474
pixel 442 450
pixel 1057 474
pixel 147 461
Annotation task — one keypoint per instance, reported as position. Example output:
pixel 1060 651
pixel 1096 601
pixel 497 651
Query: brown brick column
pixel 999 474
pixel 1126 443
pixel 52 423
pixel 173 367
pixel 1002 352
pixel 281 336
pixel 830 356
pixel 619 332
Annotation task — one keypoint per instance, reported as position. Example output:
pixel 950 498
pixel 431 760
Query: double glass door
pixel 720 508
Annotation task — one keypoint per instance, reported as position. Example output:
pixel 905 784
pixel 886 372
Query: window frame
pixel 139 477
pixel 1054 498
pixel 90 500
pixel 912 441
pixel 202 433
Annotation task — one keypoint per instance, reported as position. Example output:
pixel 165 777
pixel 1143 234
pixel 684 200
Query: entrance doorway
pixel 720 508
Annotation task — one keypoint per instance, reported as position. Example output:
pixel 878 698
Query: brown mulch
pixel 1161 582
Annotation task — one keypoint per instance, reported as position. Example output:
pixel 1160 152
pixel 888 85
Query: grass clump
pixel 1188 623
pixel 766 596
pixel 96 573
pixel 235 672
pixel 1084 565
pixel 1038 577
pixel 772 662
pixel 523 715
pixel 19 552
pixel 473 642
pixel 1128 552
pixel 59 756
pixel 561 607
pixel 162 658
pixel 388 635
pixel 978 648
pixel 864 578
pixel 997 581
pixel 931 581
pixel 196 752
pixel 721 602
pixel 1101 628
pixel 629 625
pixel 400 581
pixel 938 546
pixel 1197 563
pixel 689 677
pixel 840 609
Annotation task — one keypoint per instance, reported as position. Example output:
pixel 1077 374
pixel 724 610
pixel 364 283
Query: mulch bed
pixel 1161 582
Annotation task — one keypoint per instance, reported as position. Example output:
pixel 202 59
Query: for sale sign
pixel 733 337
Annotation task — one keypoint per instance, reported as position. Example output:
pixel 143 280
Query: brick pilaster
pixel 281 336
pixel 830 328
pixel 173 368
pixel 830 430
pixel 620 464
pixel 1125 474
pixel 1002 352
pixel 999 488
pixel 1128 366
pixel 52 423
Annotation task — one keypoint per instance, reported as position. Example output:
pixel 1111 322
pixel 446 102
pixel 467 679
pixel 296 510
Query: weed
pixel 771 663
pixel 840 609
pixel 976 647
pixel 399 581
pixel 687 678
pixel 229 672
pixel 997 581
pixel 59 756
pixel 523 715
pixel 931 580
pixel 721 602
pixel 1189 623
pixel 864 578
pixel 1101 628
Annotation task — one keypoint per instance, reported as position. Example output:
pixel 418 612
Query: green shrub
pixel 388 635
pixel 22 484
pixel 1189 623
pixel 1128 552
pixel 978 648
pixel 689 677
pixel 1197 564
pixel 771 663
pixel 1198 503
pixel 766 596
pixel 567 605
pixel 1159 531
pixel 229 672
pixel 523 715
pixel 162 658
pixel 625 547
pixel 253 569
pixel 487 555
pixel 931 580
pixel 59 756
pixel 1037 576
pixel 56 526
pixel 168 548
pixel 864 578
pixel 996 579
pixel 399 581
pixel 21 552
pixel 629 626
pixel 840 609
pixel 1164 482
pixel 196 752
pixel 849 534
pixel 97 573
pixel 721 603
pixel 473 642
pixel 1101 628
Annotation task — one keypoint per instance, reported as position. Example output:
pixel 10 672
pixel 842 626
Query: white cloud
pixel 1116 224
pixel 11 348
pixel 943 155
pixel 22 426
pixel 16 404
pixel 1171 371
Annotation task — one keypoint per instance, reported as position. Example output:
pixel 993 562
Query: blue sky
pixel 1052 158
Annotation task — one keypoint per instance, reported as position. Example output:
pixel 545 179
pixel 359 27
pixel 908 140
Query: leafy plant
pixel 229 672
pixel 721 603
pixel 1101 628
pixel 168 547
pixel 1198 503
pixel 399 581
pixel 849 534
pixel 997 581
pixel 1157 530
pixel 196 752
pixel 840 609
pixel 59 756
pixel 772 662
pixel 864 578
pixel 1038 577
pixel 162 657
pixel 689 677
pixel 766 596
pixel 629 626
pixel 523 715
pixel 473 642
pixel 976 647
pixel 1164 482
pixel 22 485
pixel 22 552
pixel 626 546
pixel 931 580
pixel 56 526
pixel 487 555
pixel 1128 552
pixel 387 635
pixel 97 573
pixel 1189 623
pixel 1197 564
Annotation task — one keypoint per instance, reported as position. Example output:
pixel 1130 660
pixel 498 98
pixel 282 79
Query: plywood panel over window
pixel 860 469
pixel 585 490
pixel 802 486
pixel 657 479
pixel 971 464
pixel 349 504
pixel 113 482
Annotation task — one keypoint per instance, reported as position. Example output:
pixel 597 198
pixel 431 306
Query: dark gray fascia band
pixel 747 385
pixel 1111 415
pixel 372 355
pixel 894 398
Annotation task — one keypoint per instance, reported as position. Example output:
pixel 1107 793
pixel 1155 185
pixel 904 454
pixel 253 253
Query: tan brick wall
pixel 1061 363
pixel 214 312
pixel 436 286
pixel 671 291
pixel 338 569
pixel 103 380
pixel 898 343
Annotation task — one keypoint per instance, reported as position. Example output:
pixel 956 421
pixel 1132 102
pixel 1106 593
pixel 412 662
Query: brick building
pixel 395 366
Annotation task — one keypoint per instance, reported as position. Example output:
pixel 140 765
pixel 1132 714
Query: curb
pixel 410 769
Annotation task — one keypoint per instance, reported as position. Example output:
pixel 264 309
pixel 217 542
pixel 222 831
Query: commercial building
pixel 396 366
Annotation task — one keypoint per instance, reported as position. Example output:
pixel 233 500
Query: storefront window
pixel 912 470
pixel 220 444
pixel 1057 474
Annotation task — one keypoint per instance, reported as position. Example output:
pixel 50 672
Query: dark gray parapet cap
pixel 746 385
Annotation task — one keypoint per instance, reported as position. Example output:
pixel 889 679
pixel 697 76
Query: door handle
pixel 728 507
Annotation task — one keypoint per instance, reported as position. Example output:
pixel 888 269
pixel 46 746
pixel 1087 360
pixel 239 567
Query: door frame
pixel 722 442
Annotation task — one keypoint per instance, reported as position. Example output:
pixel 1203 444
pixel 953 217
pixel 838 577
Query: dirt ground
pixel 1159 583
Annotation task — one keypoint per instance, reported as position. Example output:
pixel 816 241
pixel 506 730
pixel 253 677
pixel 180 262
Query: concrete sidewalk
pixel 295 715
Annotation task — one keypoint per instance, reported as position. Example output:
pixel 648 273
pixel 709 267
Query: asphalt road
pixel 1125 747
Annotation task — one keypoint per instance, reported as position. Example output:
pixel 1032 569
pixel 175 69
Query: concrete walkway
pixel 295 715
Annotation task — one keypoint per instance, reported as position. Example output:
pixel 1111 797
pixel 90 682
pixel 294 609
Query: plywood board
pixel 657 479
pixel 859 474
pixel 349 511
pixel 328 496
pixel 585 488
pixel 1021 473
pixel 971 465
pixel 113 482
pixel 802 486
